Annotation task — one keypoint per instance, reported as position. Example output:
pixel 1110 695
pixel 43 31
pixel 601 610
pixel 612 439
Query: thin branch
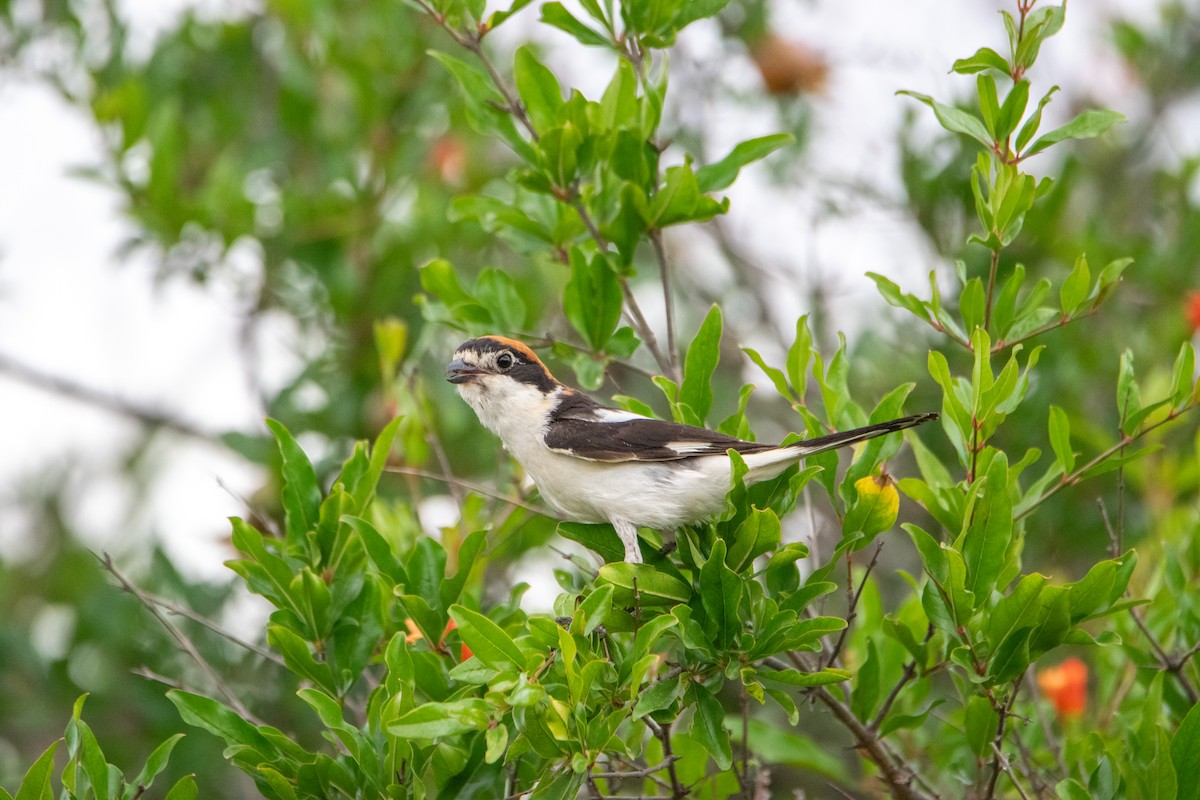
pixel 645 772
pixel 991 289
pixel 852 601
pixel 1166 661
pixel 898 775
pixel 174 608
pixel 1126 440
pixel 1007 769
pixel 1172 664
pixel 1004 344
pixel 999 760
pixel 469 486
pixel 183 641
pixel 85 394
pixel 910 671
pixel 663 734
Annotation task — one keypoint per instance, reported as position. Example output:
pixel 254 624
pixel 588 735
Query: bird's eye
pixel 504 360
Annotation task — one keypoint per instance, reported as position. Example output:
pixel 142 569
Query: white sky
pixel 68 308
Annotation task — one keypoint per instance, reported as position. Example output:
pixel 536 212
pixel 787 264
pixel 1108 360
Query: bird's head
pixel 500 376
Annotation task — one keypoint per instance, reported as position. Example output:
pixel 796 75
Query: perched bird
pixel 598 464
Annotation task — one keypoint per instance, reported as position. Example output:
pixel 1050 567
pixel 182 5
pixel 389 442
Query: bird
pixel 593 463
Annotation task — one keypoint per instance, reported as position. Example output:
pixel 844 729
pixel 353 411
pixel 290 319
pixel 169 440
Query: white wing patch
pixel 688 448
pixel 615 415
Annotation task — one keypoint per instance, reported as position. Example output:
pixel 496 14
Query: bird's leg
pixel 628 533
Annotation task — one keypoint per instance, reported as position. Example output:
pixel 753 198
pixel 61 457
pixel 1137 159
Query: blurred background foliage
pixel 319 143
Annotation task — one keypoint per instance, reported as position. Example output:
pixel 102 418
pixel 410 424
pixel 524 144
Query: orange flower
pixel 1191 309
pixel 1066 687
pixel 415 635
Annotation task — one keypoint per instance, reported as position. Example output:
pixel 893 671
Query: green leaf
pixel 1060 439
pixel 1030 128
pixel 867 690
pixel 721 174
pixel 1076 287
pixel 799 356
pixel 332 718
pixel 989 530
pixel 776 376
pixel 497 292
pixel 657 696
pixel 364 489
pixel 498 17
pixel 600 539
pixel 592 299
pixel 299 657
pixel 1071 789
pixel 484 103
pixel 223 722
pixel 701 362
pixel 758 533
pixel 555 15
pixel 538 88
pixel 379 550
pixel 487 640
pixel 955 120
pixel 692 10
pixel 989 103
pixel 594 609
pixel 157 761
pixel 720 593
pixel 1012 110
pixel 981 722
pixel 436 720
pixel 652 586
pixel 794 677
pixel 565 786
pixel 496 739
pixel 895 296
pixel 1185 754
pixel 1183 378
pixel 708 725
pixel 86 750
pixel 619 106
pixel 1015 610
pixel 559 154
pixel 984 58
pixel 301 495
pixel 184 789
pixel 649 633
pixel 1129 397
pixel 679 200
pixel 971 304
pixel 36 785
pixel 1087 125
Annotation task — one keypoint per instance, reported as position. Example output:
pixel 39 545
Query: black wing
pixel 582 428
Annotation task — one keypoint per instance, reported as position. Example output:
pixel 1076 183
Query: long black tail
pixel 833 441
pixel 770 462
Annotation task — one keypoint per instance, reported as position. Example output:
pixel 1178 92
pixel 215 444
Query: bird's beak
pixel 459 371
